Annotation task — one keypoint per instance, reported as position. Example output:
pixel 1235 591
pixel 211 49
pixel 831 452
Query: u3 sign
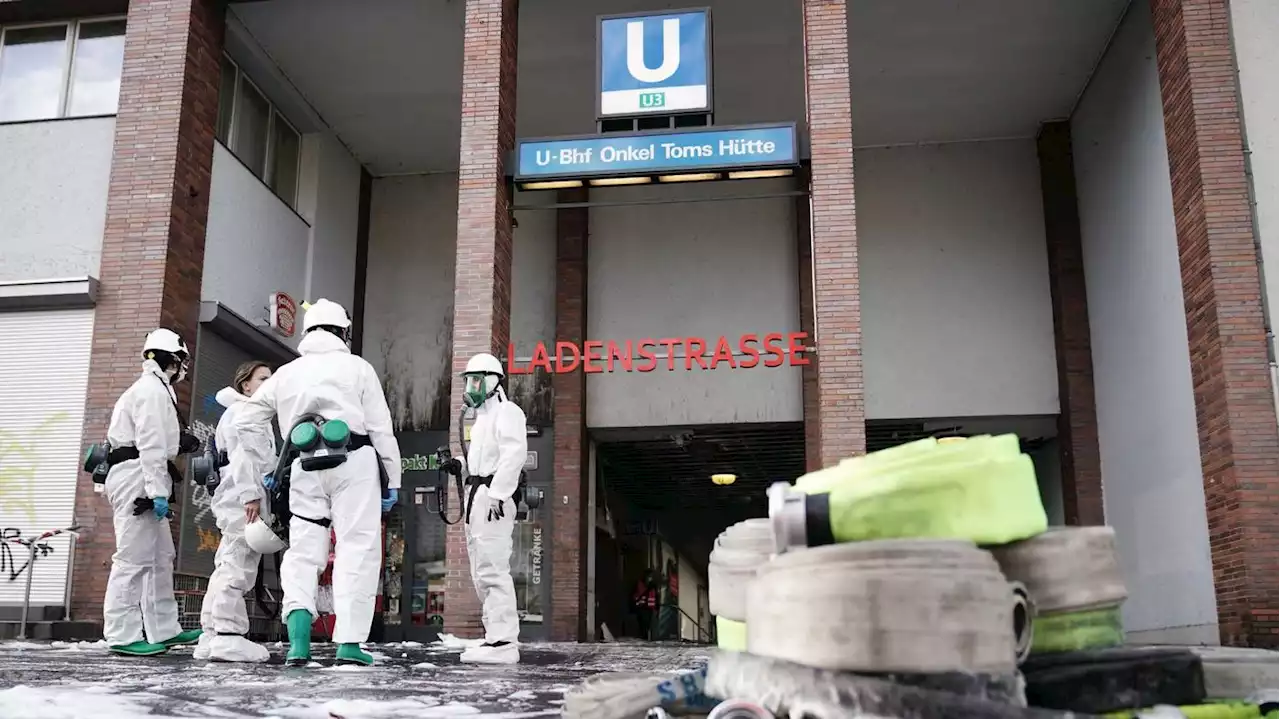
pixel 651 63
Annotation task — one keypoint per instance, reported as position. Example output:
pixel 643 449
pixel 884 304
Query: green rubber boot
pixel 350 653
pixel 299 625
pixel 138 649
pixel 191 636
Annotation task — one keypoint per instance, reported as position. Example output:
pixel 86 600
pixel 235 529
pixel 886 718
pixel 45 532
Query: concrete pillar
pixel 153 245
pixel 1222 294
pixel 482 278
pixel 570 492
pixel 837 312
pixel 1077 418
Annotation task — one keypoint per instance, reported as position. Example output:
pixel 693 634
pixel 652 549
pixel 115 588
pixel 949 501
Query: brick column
pixel 569 522
pixel 1077 417
pixel 1222 291
pixel 837 313
pixel 482 279
pixel 809 372
pixel 153 245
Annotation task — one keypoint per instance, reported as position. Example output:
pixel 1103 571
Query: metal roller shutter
pixel 44 371
pixel 215 366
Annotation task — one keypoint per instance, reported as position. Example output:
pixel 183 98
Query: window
pixel 255 131
pixel 63 70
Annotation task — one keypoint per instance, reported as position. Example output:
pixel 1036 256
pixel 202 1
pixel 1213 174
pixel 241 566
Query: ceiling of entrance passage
pixel 385 75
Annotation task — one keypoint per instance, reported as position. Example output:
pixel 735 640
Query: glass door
pixel 414 570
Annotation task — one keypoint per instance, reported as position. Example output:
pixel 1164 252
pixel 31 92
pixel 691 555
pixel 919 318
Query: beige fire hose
pixel 739 552
pixel 903 605
pixel 1073 575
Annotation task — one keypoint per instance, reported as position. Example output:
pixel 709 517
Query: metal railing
pixel 33 546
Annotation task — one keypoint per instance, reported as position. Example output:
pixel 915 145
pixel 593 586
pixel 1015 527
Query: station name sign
pixel 749 350
pixel 652 153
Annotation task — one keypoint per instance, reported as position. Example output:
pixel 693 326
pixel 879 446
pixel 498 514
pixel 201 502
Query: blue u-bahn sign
pixel 648 63
pixel 655 153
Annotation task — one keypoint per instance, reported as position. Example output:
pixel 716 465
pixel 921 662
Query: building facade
pixel 1051 218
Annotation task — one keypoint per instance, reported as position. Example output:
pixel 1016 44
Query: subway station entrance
pixel 658 512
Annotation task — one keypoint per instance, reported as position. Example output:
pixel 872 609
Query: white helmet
pixel 261 539
pixel 480 379
pixel 325 313
pixel 163 340
pixel 483 363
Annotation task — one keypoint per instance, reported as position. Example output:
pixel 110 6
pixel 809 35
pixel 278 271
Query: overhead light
pixel 551 185
pixel 606 181
pixel 759 174
pixel 693 177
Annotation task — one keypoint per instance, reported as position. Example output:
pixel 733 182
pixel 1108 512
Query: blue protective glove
pixel 269 482
pixel 161 507
pixel 390 501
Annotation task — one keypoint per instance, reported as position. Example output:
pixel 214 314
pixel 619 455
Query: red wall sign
pixel 284 313
pixel 751 350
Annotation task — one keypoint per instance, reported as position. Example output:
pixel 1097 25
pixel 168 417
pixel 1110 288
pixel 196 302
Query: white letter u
pixel 670 51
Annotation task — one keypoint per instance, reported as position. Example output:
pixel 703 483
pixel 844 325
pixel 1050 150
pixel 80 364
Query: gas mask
pixel 477 388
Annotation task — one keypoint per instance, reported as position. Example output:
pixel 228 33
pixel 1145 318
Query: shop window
pixel 61 70
pixel 255 131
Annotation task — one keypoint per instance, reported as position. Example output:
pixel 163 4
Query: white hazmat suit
pixel 329 381
pixel 499 445
pixel 139 595
pixel 223 615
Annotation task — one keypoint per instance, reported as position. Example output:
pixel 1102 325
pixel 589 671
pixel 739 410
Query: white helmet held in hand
pixel 325 313
pixel 260 538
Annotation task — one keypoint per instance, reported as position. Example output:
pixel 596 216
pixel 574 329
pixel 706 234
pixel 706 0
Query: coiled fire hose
pixel 1073 573
pixel 906 605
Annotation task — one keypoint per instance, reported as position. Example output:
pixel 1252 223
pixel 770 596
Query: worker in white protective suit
pixel 140 614
pixel 495 458
pixel 237 501
pixel 330 383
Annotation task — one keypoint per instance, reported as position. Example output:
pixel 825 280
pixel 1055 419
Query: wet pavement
pixel 62 680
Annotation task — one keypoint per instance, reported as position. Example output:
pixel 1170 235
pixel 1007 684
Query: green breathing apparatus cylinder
pixel 321 444
pixel 982 489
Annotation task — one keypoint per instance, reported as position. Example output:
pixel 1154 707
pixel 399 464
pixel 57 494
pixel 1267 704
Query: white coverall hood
pixel 223 614
pixel 140 587
pixel 329 381
pixel 228 397
pixel 499 444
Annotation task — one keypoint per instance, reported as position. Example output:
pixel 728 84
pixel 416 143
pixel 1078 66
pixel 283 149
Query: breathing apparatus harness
pixel 524 498
pixel 100 457
pixel 317 444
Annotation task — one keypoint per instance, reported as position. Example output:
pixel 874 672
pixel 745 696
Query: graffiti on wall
pixel 19 463
pixel 11 544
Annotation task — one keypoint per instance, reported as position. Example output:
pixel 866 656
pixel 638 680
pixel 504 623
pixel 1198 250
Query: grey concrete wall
pixel 1152 485
pixel 53 197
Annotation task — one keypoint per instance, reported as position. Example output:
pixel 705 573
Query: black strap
pixel 358 441
pixel 319 522
pixel 475 483
pixel 168 388
pixel 120 455
pixel 175 475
